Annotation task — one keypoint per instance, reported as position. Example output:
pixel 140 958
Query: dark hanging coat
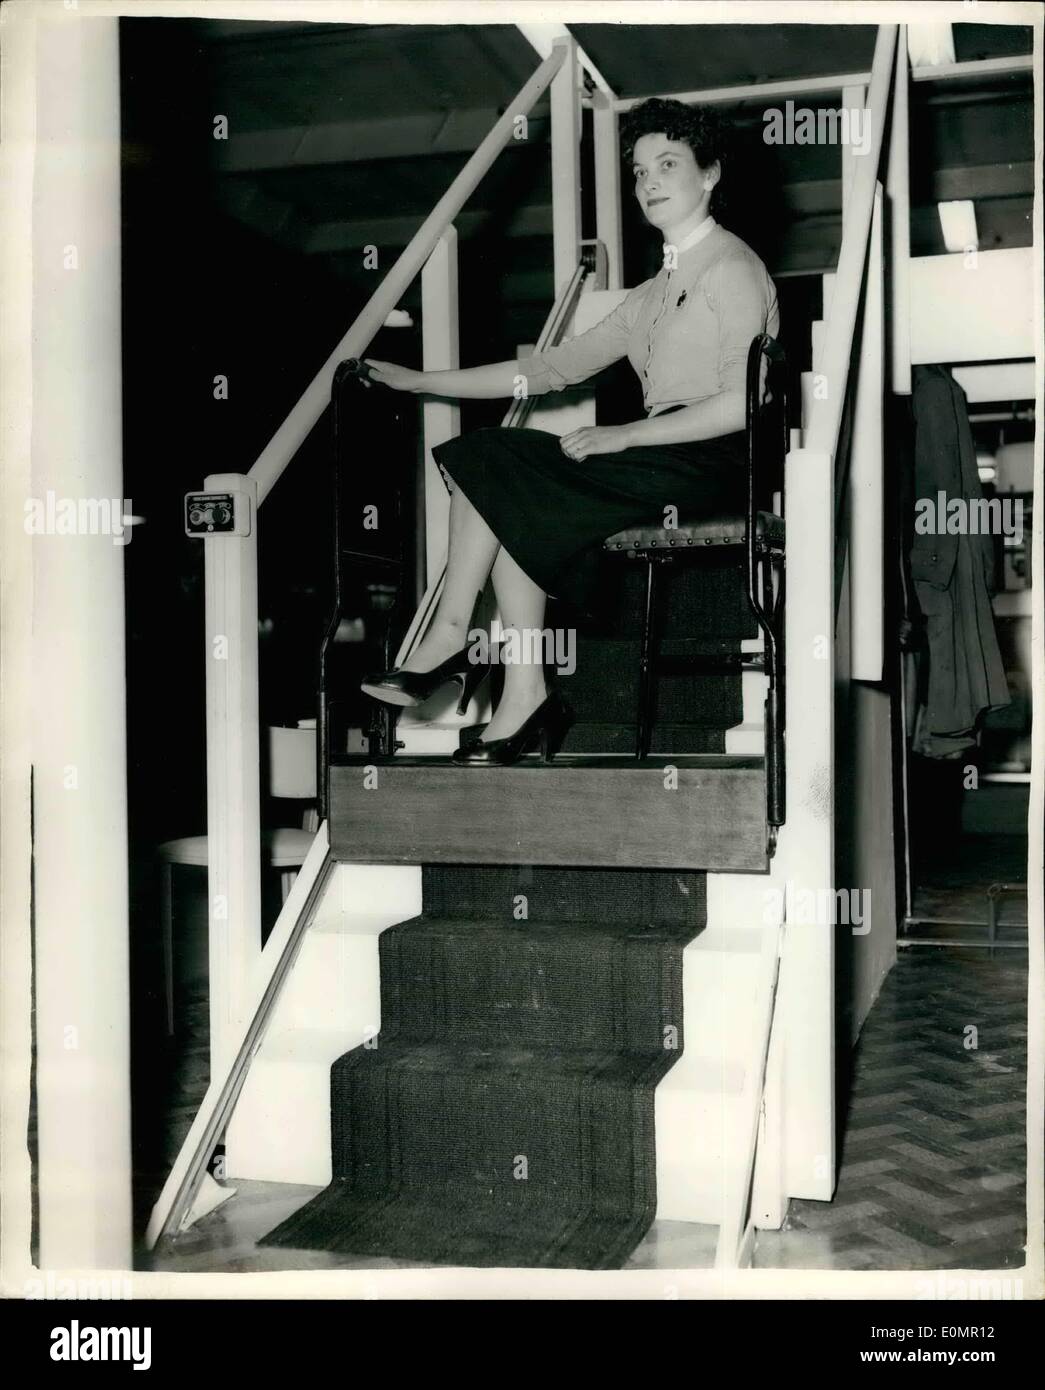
pixel 953 575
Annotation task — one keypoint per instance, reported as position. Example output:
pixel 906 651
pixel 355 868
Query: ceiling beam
pixel 762 92
pixel 979 181
pixel 351 142
pixel 333 238
pixel 275 219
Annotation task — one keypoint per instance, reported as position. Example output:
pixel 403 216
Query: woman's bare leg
pixel 521 603
pixel 471 551
pixel 474 554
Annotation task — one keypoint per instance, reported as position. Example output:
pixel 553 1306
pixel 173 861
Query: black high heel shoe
pixel 545 729
pixel 412 688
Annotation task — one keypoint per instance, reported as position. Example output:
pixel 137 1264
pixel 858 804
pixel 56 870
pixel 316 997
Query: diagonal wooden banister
pixel 826 414
pixel 281 448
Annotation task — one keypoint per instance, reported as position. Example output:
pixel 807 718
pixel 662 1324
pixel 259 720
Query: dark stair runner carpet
pixel 504 1116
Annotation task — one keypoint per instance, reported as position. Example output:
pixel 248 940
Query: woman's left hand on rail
pixel 595 439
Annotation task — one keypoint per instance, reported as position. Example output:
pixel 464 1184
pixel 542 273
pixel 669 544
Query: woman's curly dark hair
pixel 699 127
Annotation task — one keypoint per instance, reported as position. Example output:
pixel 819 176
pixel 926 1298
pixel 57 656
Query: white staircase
pixel 280 1129
pixel 703 1105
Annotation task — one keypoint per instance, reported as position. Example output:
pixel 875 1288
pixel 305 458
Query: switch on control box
pixel 217 513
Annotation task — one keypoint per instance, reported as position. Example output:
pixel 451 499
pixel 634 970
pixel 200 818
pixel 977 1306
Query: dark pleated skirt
pixel 552 513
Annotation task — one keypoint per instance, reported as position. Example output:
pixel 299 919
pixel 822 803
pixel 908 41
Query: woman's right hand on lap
pixel 393 375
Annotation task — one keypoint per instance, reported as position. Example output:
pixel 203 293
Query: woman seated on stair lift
pixel 531 510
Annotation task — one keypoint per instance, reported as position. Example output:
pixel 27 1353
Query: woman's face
pixel 669 184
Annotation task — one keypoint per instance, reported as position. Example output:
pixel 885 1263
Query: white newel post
pixel 78 681
pixel 566 164
pixel 608 217
pixel 441 419
pixel 233 753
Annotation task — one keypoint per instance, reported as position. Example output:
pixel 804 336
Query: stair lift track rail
pixel 185 1194
pixel 736 1230
pixel 555 326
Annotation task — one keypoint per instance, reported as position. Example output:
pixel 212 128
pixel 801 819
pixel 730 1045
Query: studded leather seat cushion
pixel 717 530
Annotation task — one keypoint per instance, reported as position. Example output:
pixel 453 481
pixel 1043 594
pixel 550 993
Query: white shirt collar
pixel 698 234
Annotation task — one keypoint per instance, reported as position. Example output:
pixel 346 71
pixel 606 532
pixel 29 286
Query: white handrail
pixel 826 413
pixel 898 191
pixel 283 445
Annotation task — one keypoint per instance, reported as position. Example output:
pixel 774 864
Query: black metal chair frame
pixel 764 555
pixel 381 733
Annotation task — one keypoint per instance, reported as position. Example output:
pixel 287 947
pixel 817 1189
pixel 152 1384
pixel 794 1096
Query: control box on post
pixel 217 513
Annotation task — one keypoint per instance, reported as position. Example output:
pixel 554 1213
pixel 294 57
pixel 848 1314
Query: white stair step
pixel 335 976
pixel 746 740
pixel 435 740
pixel 748 737
pixel 819 332
pixel 720 975
pixel 699 1106
pixel 699 1139
pixel 280 1130
pixel 808 386
pixel 433 729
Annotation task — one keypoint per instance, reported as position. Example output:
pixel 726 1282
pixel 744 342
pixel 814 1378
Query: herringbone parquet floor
pixel 933 1163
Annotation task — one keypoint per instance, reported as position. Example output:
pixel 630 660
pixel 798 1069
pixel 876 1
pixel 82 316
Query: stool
pixel 283 849
pixel 762 534
pixel 291 775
